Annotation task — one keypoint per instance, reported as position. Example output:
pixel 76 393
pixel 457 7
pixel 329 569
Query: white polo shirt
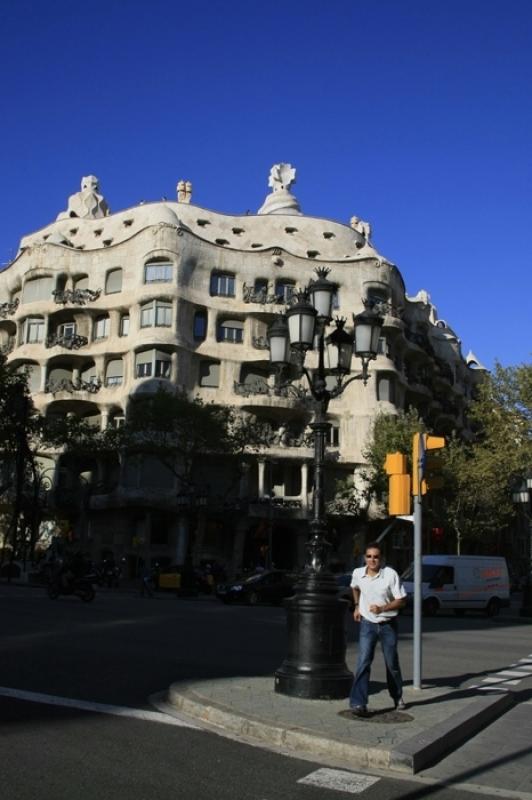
pixel 377 590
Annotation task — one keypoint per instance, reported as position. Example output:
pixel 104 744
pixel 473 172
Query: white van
pixel 461 583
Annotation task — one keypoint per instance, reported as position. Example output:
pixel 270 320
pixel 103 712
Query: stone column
pixel 262 469
pixel 238 548
pixel 304 486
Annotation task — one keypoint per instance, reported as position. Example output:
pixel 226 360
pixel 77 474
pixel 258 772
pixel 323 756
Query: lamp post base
pixel 315 667
pixel 526 607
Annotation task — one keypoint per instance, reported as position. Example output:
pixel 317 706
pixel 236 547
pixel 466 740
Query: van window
pixel 431 573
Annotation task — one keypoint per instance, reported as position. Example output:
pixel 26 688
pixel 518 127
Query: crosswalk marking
pixel 510 673
pixel 340 780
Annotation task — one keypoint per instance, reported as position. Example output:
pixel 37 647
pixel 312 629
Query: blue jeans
pixel 370 632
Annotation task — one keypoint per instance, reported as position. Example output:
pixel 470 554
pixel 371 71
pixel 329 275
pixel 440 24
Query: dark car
pixel 271 586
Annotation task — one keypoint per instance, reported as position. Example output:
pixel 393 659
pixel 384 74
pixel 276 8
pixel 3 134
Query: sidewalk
pixel 436 720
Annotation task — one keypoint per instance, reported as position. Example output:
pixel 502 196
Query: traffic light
pixel 398 484
pixel 426 466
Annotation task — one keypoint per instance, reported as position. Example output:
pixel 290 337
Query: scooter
pixel 80 587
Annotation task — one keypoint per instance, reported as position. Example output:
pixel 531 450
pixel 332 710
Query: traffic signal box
pixel 399 484
pixel 426 464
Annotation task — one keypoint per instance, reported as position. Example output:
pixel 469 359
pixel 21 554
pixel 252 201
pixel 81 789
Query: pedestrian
pixel 145 581
pixel 378 594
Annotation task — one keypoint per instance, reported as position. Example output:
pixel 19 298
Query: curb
pixel 411 756
pixel 426 748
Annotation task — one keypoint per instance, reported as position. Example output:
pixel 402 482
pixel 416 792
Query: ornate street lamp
pixel 315 665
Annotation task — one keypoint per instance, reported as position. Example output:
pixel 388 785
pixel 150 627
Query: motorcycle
pixel 80 587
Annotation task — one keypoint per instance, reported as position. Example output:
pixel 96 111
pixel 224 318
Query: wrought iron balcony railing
pixel 70 342
pixel 78 297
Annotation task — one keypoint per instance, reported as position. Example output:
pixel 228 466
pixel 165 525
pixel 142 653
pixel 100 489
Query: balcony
pixel 68 341
pixel 70 386
pixel 263 296
pixel 77 297
pixel 9 308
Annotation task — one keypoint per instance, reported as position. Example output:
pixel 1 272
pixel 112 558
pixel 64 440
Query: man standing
pixel 378 594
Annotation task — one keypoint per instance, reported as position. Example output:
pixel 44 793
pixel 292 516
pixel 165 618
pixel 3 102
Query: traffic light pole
pixel 418 589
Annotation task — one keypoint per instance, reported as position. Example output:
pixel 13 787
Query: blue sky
pixel 413 114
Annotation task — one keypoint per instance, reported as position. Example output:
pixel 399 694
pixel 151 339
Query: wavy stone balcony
pixel 68 342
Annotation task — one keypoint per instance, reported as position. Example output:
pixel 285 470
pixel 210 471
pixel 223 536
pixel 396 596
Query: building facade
pixel 101 306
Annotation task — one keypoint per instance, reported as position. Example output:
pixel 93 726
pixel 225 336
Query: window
pixel 222 284
pixel 124 325
pixel 209 374
pixel 200 325
pixel 163 367
pixel 386 388
pixel 231 330
pixel 154 363
pixel 67 330
pixel 37 289
pixel 34 330
pixel 336 299
pixel 334 434
pixel 114 373
pixel 284 290
pixel 144 370
pixel 383 347
pixel 158 313
pixel 113 281
pixel 158 272
pixel 102 328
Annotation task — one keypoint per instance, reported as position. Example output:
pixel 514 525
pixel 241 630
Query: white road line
pixel 340 780
pixel 99 708
pixel 490 688
pixel 509 673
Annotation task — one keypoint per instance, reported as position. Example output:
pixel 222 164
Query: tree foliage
pixel 481 474
pixel 480 471
pixel 389 434
pixel 180 432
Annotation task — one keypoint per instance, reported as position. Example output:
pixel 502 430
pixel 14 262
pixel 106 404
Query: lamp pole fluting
pixel 315 667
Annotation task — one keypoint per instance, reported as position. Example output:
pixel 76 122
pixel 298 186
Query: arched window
pixel 231 330
pixel 113 281
pixel 37 289
pixel 158 270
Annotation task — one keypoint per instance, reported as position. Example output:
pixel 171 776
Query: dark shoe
pixel 400 705
pixel 359 711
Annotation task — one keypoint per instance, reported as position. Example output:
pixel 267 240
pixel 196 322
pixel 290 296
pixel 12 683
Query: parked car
pixel 271 586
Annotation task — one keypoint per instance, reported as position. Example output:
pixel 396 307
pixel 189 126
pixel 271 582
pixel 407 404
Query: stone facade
pixel 100 306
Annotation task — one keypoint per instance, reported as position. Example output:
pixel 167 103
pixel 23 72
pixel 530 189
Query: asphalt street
pixel 120 649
